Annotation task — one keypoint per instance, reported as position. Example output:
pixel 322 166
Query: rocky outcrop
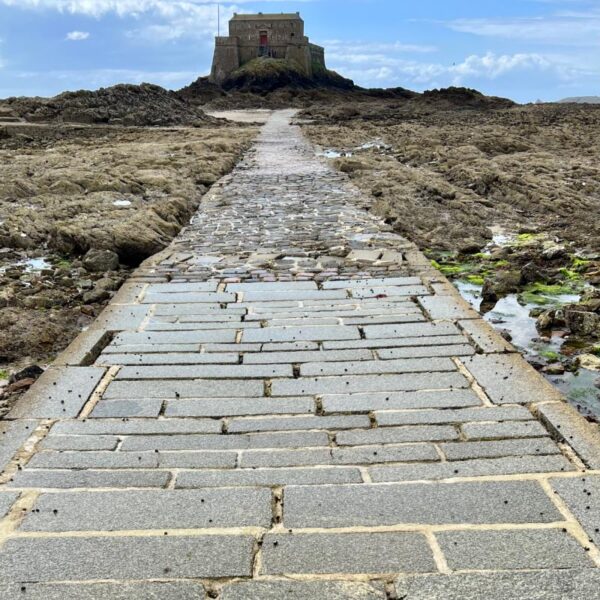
pixel 142 105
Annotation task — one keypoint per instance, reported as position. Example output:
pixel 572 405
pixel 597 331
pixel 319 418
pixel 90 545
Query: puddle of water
pixel 330 153
pixel 31 265
pixel 511 316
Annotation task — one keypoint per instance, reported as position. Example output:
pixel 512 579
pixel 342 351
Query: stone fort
pixel 265 35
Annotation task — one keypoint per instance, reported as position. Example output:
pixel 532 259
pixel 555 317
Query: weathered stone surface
pixel 135 427
pixel 509 429
pixel 268 477
pixel 60 393
pixel 13 434
pixel 388 401
pixel 565 422
pixel 410 330
pixel 205 372
pixel 508 379
pixel 79 442
pixel 123 590
pixel 397 435
pixel 376 505
pixel 485 336
pixel 367 383
pixel 293 334
pixel 297 423
pixel 517 447
pixel 37 478
pixel 93 460
pixel 199 388
pixel 302 590
pixel 308 356
pixel 152 509
pixel 523 549
pixel 472 468
pixel 464 415
pixel 422 365
pixel 582 496
pixel 6 501
pixel 76 559
pixel 226 442
pixel 127 408
pixel 573 584
pixel 426 351
pixel 323 553
pixel 230 407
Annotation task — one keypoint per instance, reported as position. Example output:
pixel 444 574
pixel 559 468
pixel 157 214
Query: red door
pixel 264 39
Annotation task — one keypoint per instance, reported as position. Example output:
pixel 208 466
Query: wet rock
pixel 582 322
pixel 469 246
pixel 554 369
pixel 505 282
pixel 545 320
pixel 98 261
pixel 589 361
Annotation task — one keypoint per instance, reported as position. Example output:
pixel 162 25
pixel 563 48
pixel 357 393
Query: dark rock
pixel 31 372
pixel 98 261
pixel 582 322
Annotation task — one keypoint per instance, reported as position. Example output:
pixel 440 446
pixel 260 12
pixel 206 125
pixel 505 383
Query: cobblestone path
pixel 290 403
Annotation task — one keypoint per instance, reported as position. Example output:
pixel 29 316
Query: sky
pixel 527 50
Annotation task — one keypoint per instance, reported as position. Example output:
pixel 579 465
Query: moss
pixel 595 351
pixel 3 374
pixel 528 238
pixel 580 264
pixel 500 264
pixel 571 275
pixel 550 355
pixel 476 279
pixel 63 263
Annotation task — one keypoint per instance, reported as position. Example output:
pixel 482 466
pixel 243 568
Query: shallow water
pixel 509 315
pixel 31 265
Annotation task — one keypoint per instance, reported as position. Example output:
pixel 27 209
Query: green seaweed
pixel 476 279
pixel 4 374
pixel 550 355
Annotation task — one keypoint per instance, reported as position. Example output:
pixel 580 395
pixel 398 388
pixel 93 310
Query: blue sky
pixel 523 49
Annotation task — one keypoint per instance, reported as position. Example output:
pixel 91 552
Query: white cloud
pixel 77 36
pixel 381 68
pixel 563 28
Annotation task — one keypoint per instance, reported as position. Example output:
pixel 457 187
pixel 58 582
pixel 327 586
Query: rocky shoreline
pixel 80 207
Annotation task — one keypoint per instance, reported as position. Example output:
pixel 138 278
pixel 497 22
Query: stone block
pixel 93 460
pixel 491 449
pixel 37 478
pixel 127 408
pixel 97 427
pixel 76 558
pixel 79 442
pixel 462 415
pixel 231 407
pixel 61 392
pixel 472 468
pixel 268 477
pixel 302 590
pixel 424 504
pixel 205 372
pixel 356 553
pixel 396 435
pixel 410 330
pixel 369 367
pixel 512 550
pixel 293 334
pixel 150 509
pixel 241 425
pixel 508 429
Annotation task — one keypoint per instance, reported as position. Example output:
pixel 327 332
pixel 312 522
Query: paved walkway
pixel 291 403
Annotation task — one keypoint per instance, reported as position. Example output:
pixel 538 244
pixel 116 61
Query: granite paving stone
pixel 241 425
pixel 292 439
pixel 396 435
pixel 508 465
pixel 302 590
pixel 93 460
pixel 572 584
pixel 582 497
pixel 229 407
pixel 268 477
pixel 323 553
pixel 122 590
pixel 488 449
pixel 508 429
pixel 96 427
pixel 401 400
pixel 79 442
pixel 523 549
pixel 76 558
pixel 66 479
pixel 438 503
pixel 150 509
pixel 149 407
pixel 172 389
pixel 420 365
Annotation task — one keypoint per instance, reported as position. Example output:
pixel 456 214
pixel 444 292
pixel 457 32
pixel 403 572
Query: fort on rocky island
pixel 279 36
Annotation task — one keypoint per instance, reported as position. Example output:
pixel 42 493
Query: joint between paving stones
pixel 97 394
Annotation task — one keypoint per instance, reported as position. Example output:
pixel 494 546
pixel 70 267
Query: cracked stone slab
pixel 61 392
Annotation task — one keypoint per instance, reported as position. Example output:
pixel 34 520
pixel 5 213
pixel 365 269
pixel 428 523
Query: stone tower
pixel 265 35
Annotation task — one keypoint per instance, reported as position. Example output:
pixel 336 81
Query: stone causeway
pixel 291 403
